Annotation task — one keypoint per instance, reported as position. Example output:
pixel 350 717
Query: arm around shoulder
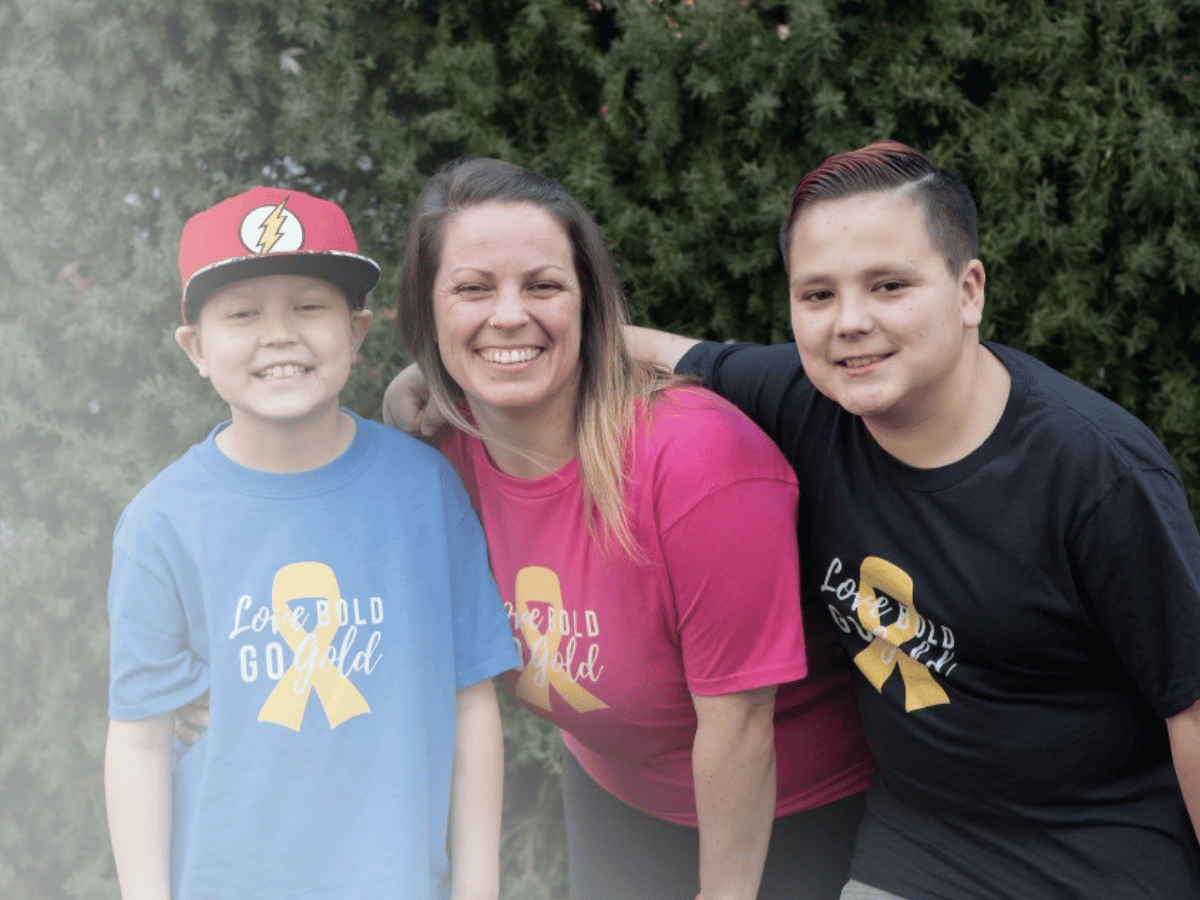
pixel 660 348
pixel 407 406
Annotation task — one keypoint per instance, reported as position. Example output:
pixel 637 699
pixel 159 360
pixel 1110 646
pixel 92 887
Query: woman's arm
pixel 137 787
pixel 406 404
pixel 476 795
pixel 729 501
pixel 733 762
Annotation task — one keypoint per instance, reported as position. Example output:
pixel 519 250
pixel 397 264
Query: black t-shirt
pixel 1024 619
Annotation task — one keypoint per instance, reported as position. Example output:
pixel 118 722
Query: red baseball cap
pixel 270 231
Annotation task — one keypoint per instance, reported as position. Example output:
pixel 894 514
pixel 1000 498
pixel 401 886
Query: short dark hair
pixel 950 215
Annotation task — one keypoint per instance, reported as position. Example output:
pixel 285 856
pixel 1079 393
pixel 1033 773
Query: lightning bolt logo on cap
pixel 270 231
pixel 272 228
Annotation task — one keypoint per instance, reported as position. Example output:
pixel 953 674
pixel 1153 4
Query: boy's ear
pixel 970 285
pixel 187 337
pixel 360 323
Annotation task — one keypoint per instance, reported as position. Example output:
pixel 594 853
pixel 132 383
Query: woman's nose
pixel 509 311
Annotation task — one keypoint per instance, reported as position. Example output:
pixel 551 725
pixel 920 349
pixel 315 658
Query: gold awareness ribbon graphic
pixel 881 657
pixel 537 584
pixel 286 703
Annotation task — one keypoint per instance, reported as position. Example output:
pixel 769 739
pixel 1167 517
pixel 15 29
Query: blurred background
pixel 683 125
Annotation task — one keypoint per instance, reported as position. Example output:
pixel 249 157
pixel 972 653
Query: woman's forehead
pixel 493 234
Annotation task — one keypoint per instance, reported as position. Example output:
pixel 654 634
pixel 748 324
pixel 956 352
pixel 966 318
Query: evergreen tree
pixel 682 123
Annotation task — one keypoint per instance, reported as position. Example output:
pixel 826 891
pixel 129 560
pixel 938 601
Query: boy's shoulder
pixel 203 479
pixel 181 488
pixel 403 450
pixel 1074 414
pixel 175 481
pixel 409 471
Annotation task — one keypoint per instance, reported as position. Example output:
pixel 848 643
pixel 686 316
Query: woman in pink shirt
pixel 642 534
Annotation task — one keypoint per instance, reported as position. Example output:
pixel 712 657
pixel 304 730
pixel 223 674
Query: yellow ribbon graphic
pixel 538 584
pixel 881 657
pixel 309 669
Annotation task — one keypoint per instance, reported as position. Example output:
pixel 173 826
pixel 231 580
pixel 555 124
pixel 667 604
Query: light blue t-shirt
pixel 333 614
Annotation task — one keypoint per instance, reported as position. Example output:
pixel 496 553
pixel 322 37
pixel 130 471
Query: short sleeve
pixel 736 574
pixel 726 506
pixel 152 668
pixel 483 641
pixel 1138 556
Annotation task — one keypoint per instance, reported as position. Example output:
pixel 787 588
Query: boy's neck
pixel 963 418
pixel 287 447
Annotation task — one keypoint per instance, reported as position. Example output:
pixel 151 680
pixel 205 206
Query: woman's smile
pixel 508 312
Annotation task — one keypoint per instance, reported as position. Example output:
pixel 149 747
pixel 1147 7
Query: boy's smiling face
pixel 278 349
pixel 882 325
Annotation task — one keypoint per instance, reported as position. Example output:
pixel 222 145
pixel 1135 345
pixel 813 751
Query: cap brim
pixel 355 275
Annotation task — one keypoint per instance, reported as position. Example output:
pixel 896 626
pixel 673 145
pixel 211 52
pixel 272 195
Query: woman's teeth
pixel 508 357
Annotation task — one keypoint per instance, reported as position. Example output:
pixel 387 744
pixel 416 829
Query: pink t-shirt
pixel 613 648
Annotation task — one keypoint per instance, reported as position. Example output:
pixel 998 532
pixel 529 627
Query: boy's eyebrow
pixel 234 295
pixel 807 281
pixel 898 268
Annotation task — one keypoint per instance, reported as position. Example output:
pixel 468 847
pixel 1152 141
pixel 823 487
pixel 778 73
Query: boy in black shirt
pixel 1007 557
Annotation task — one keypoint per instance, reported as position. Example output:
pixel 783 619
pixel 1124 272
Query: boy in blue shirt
pixel 326 580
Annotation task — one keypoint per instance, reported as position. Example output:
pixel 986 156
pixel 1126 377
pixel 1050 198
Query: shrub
pixel 681 123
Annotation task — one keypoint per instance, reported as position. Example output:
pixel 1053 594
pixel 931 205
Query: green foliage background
pixel 682 123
